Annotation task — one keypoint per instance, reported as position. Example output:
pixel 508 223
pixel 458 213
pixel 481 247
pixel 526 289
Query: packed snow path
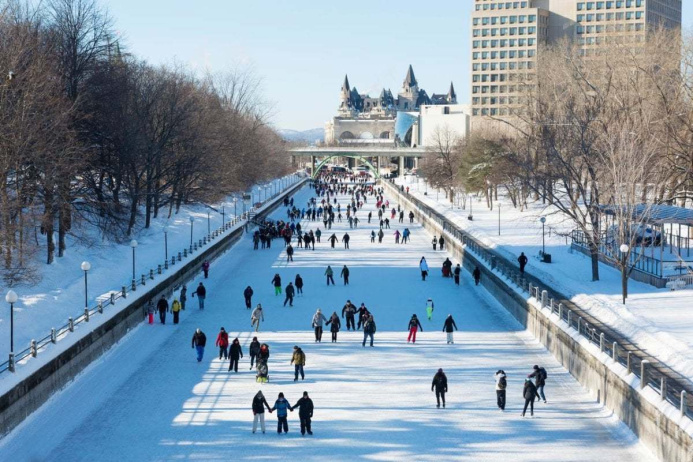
pixel 149 399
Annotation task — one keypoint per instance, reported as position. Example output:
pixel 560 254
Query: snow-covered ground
pixel 658 320
pixel 148 398
pixel 60 293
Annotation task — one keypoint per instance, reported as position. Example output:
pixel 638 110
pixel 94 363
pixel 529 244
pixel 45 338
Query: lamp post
pixel 498 204
pixel 166 243
pixel 133 244
pixel 235 200
pixel 470 217
pixel 11 298
pixel 86 266
pixel 208 223
pixel 543 245
pixel 223 213
pixel 624 271
pixel 192 220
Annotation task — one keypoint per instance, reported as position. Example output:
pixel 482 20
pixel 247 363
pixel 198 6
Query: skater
pixel 248 295
pixel 253 351
pixel 329 273
pixel 414 326
pixel 259 404
pixel 397 235
pixel 423 266
pixel 289 253
pixel 281 405
pixel 434 242
pixel 381 235
pixel 372 237
pixel 440 384
pixel 429 309
pixel 199 341
pixel 205 268
pixel 411 217
pixel 175 309
pixel 539 375
pixel 448 326
pixel 522 260
pixel 235 353
pixel 183 297
pixel 318 321
pixel 223 344
pixel 528 393
pixel 457 272
pixel 298 359
pixel 363 315
pixel 318 233
pixel 333 240
pixel 368 329
pixel 335 325
pixel 256 316
pixel 261 364
pixel 289 295
pixel 477 276
pixel 150 312
pixel 501 385
pixel 162 307
pixel 345 240
pixel 201 293
pixel 441 241
pixel 305 412
pixel 349 310
pixel 277 282
pixel 345 275
pixel 298 282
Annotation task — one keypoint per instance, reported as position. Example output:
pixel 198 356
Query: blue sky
pixel 301 49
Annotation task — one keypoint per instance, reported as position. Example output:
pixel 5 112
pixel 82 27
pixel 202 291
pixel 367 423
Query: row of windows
pixel 504 31
pixel 630 15
pixel 501 5
pixel 505 20
pixel 611 28
pixel 505 53
pixel 486 100
pixel 501 66
pixel 483 89
pixel 621 39
pixel 607 5
pixel 502 43
pixel 476 67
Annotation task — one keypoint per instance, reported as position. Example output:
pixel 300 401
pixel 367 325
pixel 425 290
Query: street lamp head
pixel 10 75
pixel 191 219
pixel 624 248
pixel 86 266
pixel 133 243
pixel 542 219
pixel 498 204
pixel 11 297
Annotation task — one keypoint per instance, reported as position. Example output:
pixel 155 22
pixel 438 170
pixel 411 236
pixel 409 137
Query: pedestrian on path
pixel 414 326
pixel 539 375
pixel 368 329
pixel 423 266
pixel 345 240
pixel 335 325
pixel 199 341
pixel 277 283
pixel 175 309
pixel 259 404
pixel 477 276
pixel 522 260
pixel 298 359
pixel 528 393
pixel 289 253
pixel 372 237
pixel 501 385
pixel 289 295
pixel 253 351
pixel 235 354
pixel 448 326
pixel 429 309
pixel 441 241
pixel 248 295
pixel 434 242
pixel 201 293
pixel 305 412
pixel 223 344
pixel 281 405
pixel 440 385
pixel 333 240
pixel 256 316
pixel 457 272
pixel 329 273
pixel 162 307
pixel 183 297
pixel 205 268
pixel 345 275
pixel 151 309
pixel 318 321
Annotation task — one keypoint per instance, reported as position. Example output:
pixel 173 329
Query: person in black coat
pixel 522 260
pixel 345 275
pixel 199 341
pixel 162 306
pixel 235 354
pixel 477 275
pixel 289 294
pixel 539 375
pixel 528 393
pixel 253 351
pixel 289 253
pixel 335 325
pixel 248 295
pixel 457 272
pixel 414 326
pixel 305 412
pixel 259 404
pixel 448 326
pixel 440 386
pixel 298 282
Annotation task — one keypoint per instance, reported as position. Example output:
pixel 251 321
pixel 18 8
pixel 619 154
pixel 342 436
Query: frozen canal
pixel 148 399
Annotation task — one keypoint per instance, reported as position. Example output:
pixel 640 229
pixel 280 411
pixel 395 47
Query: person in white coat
pixel 319 320
pixel 423 266
pixel 256 316
pixel 501 385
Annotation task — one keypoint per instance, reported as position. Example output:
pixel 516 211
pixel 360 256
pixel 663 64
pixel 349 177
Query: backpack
pixel 543 373
pixel 502 383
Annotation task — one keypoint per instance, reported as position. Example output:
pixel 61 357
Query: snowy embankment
pixel 60 293
pixel 658 320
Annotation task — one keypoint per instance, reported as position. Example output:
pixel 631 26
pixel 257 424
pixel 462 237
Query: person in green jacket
pixel 329 273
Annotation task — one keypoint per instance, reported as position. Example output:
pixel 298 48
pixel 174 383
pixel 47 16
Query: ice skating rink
pixel 149 400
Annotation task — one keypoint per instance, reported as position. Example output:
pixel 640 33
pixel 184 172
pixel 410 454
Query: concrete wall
pixel 19 402
pixel 661 434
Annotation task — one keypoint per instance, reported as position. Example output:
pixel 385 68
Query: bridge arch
pixel 370 166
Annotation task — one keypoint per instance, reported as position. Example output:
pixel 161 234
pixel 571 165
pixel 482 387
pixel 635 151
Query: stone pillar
pixel 401 166
pixel 312 165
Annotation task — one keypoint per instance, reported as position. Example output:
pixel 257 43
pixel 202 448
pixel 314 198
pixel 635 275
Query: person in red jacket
pixel 223 344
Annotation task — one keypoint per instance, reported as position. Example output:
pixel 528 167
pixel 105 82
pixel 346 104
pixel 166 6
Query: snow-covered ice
pixel 148 398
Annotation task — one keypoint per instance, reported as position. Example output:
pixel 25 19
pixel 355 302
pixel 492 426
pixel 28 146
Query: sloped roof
pixel 410 79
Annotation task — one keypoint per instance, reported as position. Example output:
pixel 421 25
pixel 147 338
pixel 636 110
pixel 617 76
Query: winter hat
pixel 281 395
pixel 440 370
pixel 197 330
pixel 254 338
pixel 305 394
pixel 527 380
pixel 295 347
pixel 222 328
pixel 319 311
pixel 535 367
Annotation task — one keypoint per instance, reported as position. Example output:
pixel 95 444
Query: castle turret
pixel 451 96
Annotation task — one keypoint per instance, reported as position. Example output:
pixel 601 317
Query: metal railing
pixel 669 384
pixel 36 346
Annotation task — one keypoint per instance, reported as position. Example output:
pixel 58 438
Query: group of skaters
pixel 179 301
pixel 448 271
pixel 531 390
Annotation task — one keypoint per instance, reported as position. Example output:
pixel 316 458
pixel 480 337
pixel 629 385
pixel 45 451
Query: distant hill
pixel 306 136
